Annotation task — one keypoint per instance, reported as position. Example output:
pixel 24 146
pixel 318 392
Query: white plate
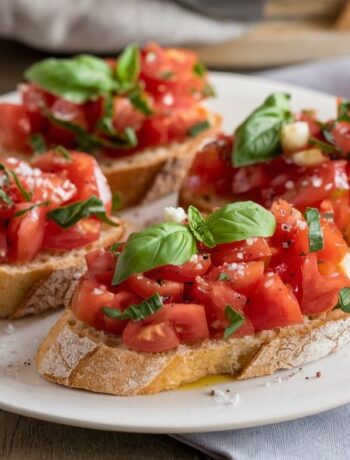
pixel 264 400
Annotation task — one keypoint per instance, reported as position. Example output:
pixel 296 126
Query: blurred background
pixel 239 35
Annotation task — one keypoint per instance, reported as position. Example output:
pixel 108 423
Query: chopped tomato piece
pixel 334 245
pixel 83 232
pixel 272 304
pixel 240 251
pixel 145 287
pixel 14 128
pixel 185 273
pixel 121 301
pixel 243 276
pixel 150 337
pixel 101 266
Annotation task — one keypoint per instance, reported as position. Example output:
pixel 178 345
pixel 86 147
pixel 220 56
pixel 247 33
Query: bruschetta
pixel 244 291
pixel 53 211
pixel 141 115
pixel 273 154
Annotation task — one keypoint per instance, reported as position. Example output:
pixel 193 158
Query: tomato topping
pixel 14 128
pixel 146 287
pixel 80 234
pixel 272 304
pixel 150 337
pixel 241 251
pixel 185 273
pixel 101 266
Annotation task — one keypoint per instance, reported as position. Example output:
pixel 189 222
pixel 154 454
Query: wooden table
pixel 29 439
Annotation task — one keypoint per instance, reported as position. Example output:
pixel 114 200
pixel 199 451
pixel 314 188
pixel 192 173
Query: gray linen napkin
pixel 321 437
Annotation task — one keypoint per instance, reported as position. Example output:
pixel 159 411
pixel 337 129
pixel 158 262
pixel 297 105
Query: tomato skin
pixel 14 128
pixel 272 304
pixel 183 273
pixel 145 287
pixel 101 266
pixel 240 251
pixel 341 136
pixel 320 293
pixel 125 115
pixel 334 245
pixel 150 337
pixel 243 278
pixel 26 233
pixel 70 112
pixel 80 234
pixel 3 244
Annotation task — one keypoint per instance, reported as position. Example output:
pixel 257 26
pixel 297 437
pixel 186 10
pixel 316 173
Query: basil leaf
pixel 344 299
pixel 158 245
pixel 196 129
pixel 199 227
pixel 167 75
pixel 136 312
pixel 5 197
pixel 89 142
pixel 236 320
pixel 199 69
pixel 26 195
pixel 78 79
pixel 343 111
pixel 36 205
pixel 315 231
pixel 37 143
pixel 115 248
pixel 239 221
pixel 223 277
pixel 208 91
pixel 63 152
pixel 129 64
pixel 139 101
pixel 257 139
pixel 326 148
pixel 66 216
pixel 116 201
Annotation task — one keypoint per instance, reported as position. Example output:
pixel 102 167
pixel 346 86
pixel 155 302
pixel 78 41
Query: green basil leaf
pixel 236 320
pixel 129 64
pixel 139 101
pixel 63 152
pixel 326 148
pixel 196 129
pixel 257 139
pixel 136 312
pixel 26 195
pixel 344 299
pixel 38 143
pixel 66 216
pixel 117 201
pixel 315 231
pixel 239 221
pixel 115 248
pixel 199 227
pixel 78 79
pixel 208 91
pixel 167 75
pixel 158 245
pixel 33 206
pixel 199 69
pixel 5 197
pixel 223 277
pixel 343 111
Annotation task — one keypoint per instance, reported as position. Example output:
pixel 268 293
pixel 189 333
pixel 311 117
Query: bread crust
pixel 49 280
pixel 77 356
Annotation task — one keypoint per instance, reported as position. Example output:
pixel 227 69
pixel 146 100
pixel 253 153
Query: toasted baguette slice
pixel 78 356
pixel 49 280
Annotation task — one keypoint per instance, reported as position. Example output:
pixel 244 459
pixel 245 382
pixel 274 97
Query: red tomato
pixel 341 136
pixel 70 112
pixel 243 276
pixel 126 115
pixel 240 251
pixel 338 205
pixel 101 265
pixel 334 245
pixel 121 300
pixel 320 293
pixel 26 233
pixel 35 101
pixel 14 128
pixel 184 273
pixel 249 178
pixel 88 300
pixel 215 296
pixel 80 234
pixel 272 304
pixel 150 337
pixel 145 287
pixel 3 244
pixel 315 127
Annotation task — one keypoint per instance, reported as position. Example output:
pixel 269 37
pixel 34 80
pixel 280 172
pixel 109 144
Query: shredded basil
pixel 196 129
pixel 236 320
pixel 136 312
pixel 344 299
pixel 38 143
pixel 315 231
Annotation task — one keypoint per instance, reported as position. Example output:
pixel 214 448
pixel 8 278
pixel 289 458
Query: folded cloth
pixel 321 437
pixel 324 436
pixel 108 25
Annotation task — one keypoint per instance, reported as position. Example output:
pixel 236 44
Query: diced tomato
pixel 101 265
pixel 26 233
pixel 309 116
pixel 88 300
pixel 14 128
pixel 184 273
pixel 215 296
pixel 35 102
pixel 243 276
pixel 69 112
pixel 249 178
pixel 3 244
pixel 150 337
pixel 126 115
pixel 272 304
pixel 341 136
pixel 121 300
pixel 320 293
pixel 240 251
pixel 334 245
pixel 80 234
pixel 145 287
